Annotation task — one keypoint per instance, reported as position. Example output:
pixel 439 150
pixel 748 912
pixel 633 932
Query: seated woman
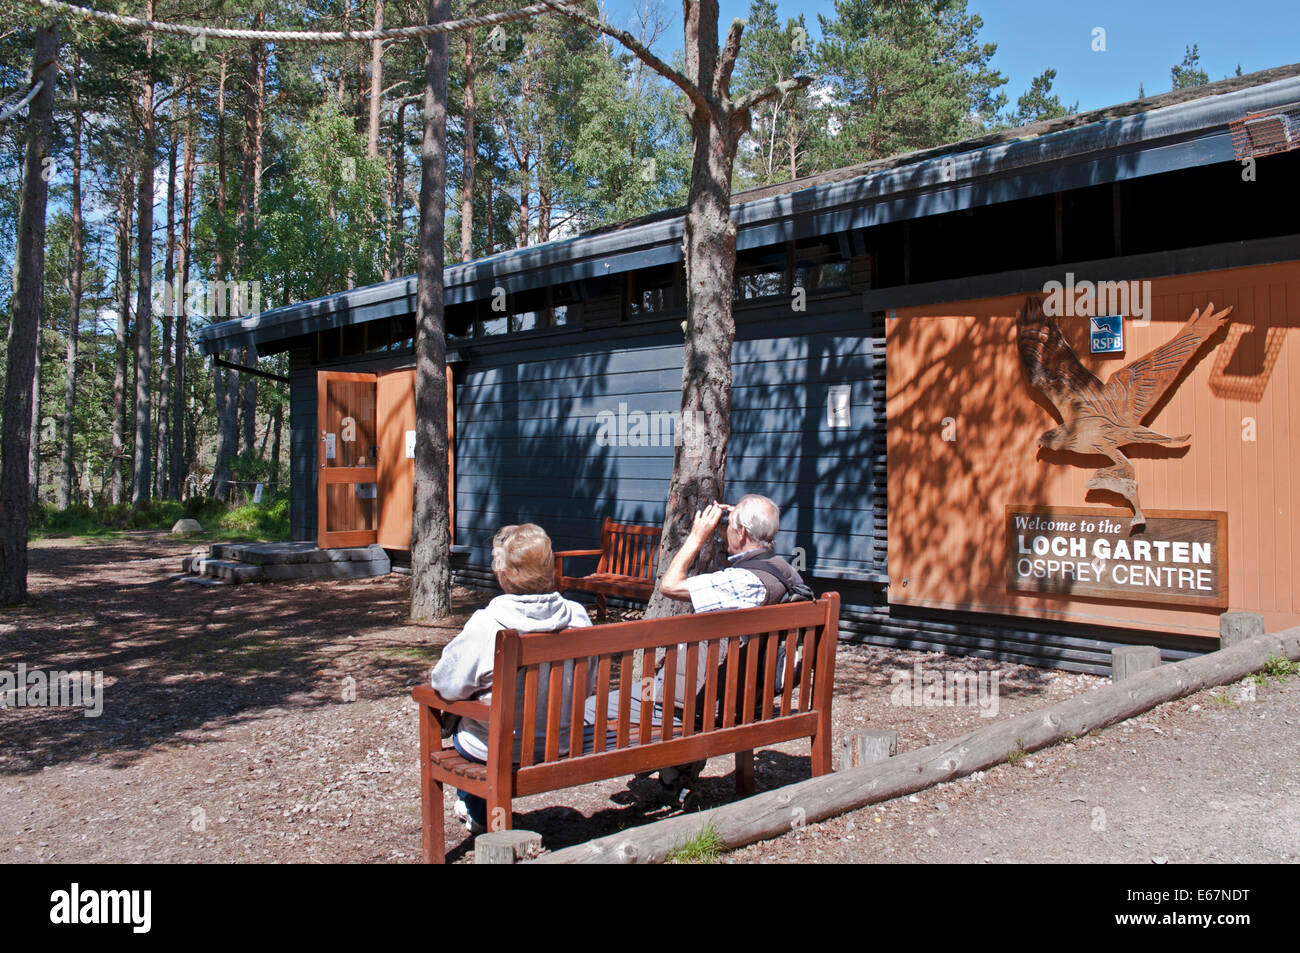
pixel 525 569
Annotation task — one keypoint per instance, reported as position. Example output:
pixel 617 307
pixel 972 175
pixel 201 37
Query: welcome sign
pixel 1179 556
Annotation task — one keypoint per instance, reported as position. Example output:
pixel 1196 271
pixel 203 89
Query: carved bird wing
pixel 1051 364
pixel 1138 386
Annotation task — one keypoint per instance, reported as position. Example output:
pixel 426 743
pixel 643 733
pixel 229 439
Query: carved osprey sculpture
pixel 1097 418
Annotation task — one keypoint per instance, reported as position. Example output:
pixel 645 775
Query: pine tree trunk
pixel 224 383
pixel 34 447
pixel 183 271
pixel 431 535
pixel 376 83
pixel 172 302
pixel 144 288
pixel 24 327
pixel 277 422
pixel 67 493
pixel 700 459
pixel 397 199
pixel 471 155
pixel 124 208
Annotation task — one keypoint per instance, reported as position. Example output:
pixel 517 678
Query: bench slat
pixel 805 683
pixel 577 708
pixel 770 650
pixel 554 712
pixel 645 696
pixel 528 724
pixel 574 771
pixel 625 692
pixel 711 687
pixel 669 699
pixel 692 690
pixel 750 694
pixel 787 683
pixel 732 683
pixel 602 701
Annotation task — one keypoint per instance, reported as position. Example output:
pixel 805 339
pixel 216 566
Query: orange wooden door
pixel 396 458
pixel 347 488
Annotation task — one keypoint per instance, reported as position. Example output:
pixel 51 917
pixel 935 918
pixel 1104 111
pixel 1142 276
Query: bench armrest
pixel 478 711
pixel 559 557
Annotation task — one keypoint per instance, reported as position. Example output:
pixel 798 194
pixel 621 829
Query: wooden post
pixel 506 847
pixel 775 812
pixel 867 747
pixel 1127 660
pixel 1236 627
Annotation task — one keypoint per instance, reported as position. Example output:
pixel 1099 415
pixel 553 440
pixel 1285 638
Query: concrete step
pixel 205 581
pixel 231 570
pixel 265 562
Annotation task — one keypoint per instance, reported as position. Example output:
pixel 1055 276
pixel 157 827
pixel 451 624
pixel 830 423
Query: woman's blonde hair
pixel 522 559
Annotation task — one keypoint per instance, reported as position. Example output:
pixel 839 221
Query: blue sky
pixel 1144 38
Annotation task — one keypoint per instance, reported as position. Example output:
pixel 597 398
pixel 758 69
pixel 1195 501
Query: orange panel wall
pixel 954 370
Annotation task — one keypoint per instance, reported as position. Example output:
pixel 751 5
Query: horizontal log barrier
pixel 780 811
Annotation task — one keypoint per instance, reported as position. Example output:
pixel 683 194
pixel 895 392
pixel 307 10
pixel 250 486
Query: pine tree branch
pixel 750 100
pixel 730 53
pixel 638 49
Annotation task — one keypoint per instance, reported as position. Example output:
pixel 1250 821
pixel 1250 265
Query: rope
pixel 6 110
pixel 298 36
pixel 31 94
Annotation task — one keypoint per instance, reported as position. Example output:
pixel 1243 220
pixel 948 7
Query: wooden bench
pixel 629 556
pixel 728 715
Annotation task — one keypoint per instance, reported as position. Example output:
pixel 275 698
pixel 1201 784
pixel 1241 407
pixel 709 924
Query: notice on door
pixel 1178 556
pixel 410 444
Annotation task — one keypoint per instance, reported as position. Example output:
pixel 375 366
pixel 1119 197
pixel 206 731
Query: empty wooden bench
pixel 729 714
pixel 629 555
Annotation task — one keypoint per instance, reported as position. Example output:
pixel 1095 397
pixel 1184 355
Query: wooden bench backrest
pixel 747 716
pixel 629 550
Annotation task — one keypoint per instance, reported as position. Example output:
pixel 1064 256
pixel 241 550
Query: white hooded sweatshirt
pixel 465 668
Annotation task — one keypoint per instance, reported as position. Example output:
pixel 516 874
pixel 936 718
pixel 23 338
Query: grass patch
pixel 1276 667
pixel 1222 700
pixel 265 521
pixel 703 848
pixel 1016 754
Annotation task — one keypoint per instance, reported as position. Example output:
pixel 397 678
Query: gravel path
pixel 273 723
pixel 1202 779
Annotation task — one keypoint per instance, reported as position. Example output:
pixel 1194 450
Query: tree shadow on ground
pixel 175 656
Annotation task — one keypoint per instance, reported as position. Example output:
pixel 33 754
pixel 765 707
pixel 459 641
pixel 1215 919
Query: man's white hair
pixel 759 517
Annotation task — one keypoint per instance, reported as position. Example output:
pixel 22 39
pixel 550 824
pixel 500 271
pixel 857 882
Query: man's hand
pixel 706 521
pixel 673 583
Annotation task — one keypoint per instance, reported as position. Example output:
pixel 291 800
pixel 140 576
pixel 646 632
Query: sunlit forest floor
pixel 273 723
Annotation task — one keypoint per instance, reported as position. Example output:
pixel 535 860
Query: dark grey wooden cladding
pixel 529 424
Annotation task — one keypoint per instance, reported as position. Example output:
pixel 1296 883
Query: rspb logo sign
pixel 1107 334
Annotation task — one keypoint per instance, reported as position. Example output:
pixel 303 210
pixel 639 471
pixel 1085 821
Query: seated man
pixel 754 576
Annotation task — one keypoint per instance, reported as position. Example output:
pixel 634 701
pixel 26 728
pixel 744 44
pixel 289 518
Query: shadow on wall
pixel 964 424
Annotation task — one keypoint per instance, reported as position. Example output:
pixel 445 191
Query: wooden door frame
pixel 326 476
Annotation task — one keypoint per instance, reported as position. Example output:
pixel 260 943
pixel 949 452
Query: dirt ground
pixel 229 733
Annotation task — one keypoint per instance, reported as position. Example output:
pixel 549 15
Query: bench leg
pixel 745 773
pixel 433 836
pixel 499 817
pixel 602 612
pixel 821 753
